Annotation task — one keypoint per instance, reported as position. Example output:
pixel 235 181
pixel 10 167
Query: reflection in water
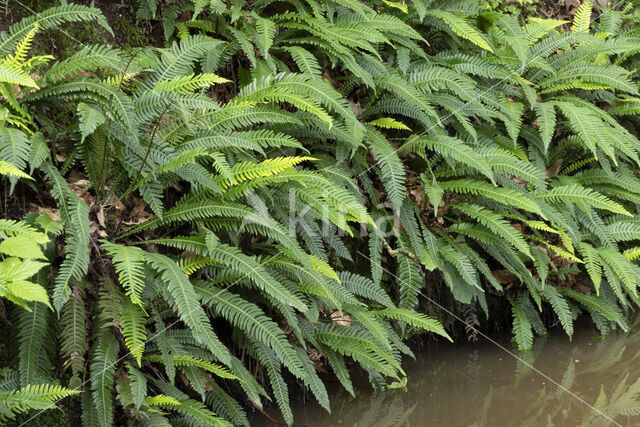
pixel 481 385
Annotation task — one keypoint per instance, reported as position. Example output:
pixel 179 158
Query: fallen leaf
pixel 340 319
pixel 503 276
pixel 53 213
pixel 554 168
pixel 100 216
pixel 356 107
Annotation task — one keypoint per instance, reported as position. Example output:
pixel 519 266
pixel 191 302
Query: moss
pixel 131 34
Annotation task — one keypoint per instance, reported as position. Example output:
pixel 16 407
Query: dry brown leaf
pixel 138 215
pixel 53 213
pixel 100 216
pixel 340 319
pixel 554 169
pixel 416 193
pixel 504 276
pixel 356 107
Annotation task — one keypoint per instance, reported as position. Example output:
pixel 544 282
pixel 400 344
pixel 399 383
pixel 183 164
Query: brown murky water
pixel 481 385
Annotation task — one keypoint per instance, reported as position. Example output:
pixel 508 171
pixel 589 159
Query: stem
pixel 395 252
pixel 267 416
pixel 104 160
pixel 146 156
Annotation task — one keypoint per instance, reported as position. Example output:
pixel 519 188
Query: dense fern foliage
pixel 272 194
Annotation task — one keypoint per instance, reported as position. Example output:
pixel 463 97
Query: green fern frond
pixel 189 83
pixel 609 311
pixel 503 195
pixel 42 396
pixel 388 123
pixel 246 171
pixel 50 18
pixel 185 302
pixel 392 170
pixel 457 150
pixel 15 76
pixel 522 331
pixel 133 320
pixel 103 370
pixel 74 335
pixel 583 196
pixel 560 307
pixel 461 28
pixel 582 18
pixel 497 224
pixel 129 264
pixel 417 320
pixel 188 360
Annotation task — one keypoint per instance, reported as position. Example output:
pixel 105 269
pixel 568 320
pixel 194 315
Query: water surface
pixel 481 385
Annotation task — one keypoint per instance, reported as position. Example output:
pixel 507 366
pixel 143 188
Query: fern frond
pixel 609 311
pixel 129 264
pixel 417 320
pixel 461 28
pixel 457 151
pixel 497 224
pixel 74 335
pixel 583 196
pixel 582 18
pixel 42 396
pixel 103 370
pixel 503 195
pixel 392 170
pixel 185 302
pixel 521 327
pixel 243 264
pixel 560 307
pixel 133 320
pixel 189 83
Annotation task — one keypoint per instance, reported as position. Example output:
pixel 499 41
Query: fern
pixel 103 368
pixel 251 319
pixel 215 194
pixel 584 197
pixel 185 302
pixel 461 28
pixel 582 18
pixel 521 327
pixel 560 307
pixel 50 18
pixel 31 397
pixel 392 172
pixel 415 319
pixel 497 224
pixel 133 328
pixel 76 263
pixel 502 195
pixel 129 264
pixel 457 150
pixel 32 339
pixel 74 335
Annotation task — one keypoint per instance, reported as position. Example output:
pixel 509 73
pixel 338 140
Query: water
pixel 481 385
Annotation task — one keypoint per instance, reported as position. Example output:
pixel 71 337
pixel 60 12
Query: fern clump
pixel 211 199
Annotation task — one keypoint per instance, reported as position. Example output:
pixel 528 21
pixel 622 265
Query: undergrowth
pixel 270 195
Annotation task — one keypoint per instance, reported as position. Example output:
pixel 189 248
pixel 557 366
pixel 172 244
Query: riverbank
pixel 481 384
